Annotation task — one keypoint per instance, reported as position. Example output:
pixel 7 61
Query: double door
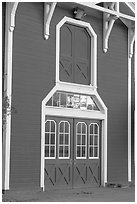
pixel 72 153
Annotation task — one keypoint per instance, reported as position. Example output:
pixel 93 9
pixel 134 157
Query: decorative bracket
pixel 48 13
pixel 108 22
pixel 131 39
pixel 12 7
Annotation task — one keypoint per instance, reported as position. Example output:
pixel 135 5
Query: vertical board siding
pixel 112 86
pixel 34 76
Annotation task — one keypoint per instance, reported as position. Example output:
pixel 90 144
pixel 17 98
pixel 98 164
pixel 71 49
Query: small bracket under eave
pixel 108 22
pixel 12 7
pixel 131 39
pixel 48 13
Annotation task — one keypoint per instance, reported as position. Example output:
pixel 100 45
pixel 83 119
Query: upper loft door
pixel 75 55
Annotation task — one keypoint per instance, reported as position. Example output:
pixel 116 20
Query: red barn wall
pixel 34 76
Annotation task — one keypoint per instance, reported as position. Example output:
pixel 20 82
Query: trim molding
pixel 48 13
pixel 9 28
pixel 101 115
pixel 93 47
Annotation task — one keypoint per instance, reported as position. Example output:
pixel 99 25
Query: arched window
pixel 93 140
pixel 81 140
pixel 64 140
pixel 50 139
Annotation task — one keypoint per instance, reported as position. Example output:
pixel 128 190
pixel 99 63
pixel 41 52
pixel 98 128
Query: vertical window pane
pixel 60 151
pixel 91 140
pixel 52 151
pixel 95 140
pixel 52 138
pixel 78 139
pixel 62 100
pixel 95 152
pixel 46 138
pixel 66 153
pixel 61 127
pixel 52 126
pixel 91 151
pixel 61 138
pixel 67 139
pixel 67 128
pixel 83 139
pixel 47 126
pixel 95 129
pixel 83 151
pixel 78 151
pixel 56 99
pixel 46 151
pixel 79 128
pixel 91 129
pixel 83 128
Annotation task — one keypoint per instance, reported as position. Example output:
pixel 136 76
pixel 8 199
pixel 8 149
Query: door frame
pixel 74 113
pixel 93 57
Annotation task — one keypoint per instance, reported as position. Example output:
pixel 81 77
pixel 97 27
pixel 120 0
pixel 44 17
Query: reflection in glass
pixel 72 100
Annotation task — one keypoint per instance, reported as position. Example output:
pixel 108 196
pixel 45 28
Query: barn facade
pixel 68 72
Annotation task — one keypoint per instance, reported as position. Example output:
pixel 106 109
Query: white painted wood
pixel 93 47
pixel 74 113
pixel 131 39
pixel 102 9
pixel 129 107
pixel 108 22
pixel 9 28
pixel 48 13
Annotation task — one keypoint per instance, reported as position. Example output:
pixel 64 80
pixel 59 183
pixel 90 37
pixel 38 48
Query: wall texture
pixel 34 77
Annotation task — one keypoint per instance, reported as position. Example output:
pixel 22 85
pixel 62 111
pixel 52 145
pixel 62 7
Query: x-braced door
pixel 72 153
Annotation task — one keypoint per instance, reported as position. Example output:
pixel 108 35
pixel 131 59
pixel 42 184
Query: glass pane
pixel 46 151
pixel 70 101
pixel 52 151
pixel 83 151
pixel 90 151
pixel 47 126
pixel 91 129
pixel 61 127
pixel 95 151
pixel 62 100
pixel 78 128
pixel 78 139
pixel 91 140
pixel 61 138
pixel 83 128
pixel 60 151
pixel 66 151
pixel 83 102
pixel 46 138
pixel 95 129
pixel 66 139
pixel 78 151
pixel 66 127
pixel 83 139
pixel 77 101
pixel 49 103
pixel 95 140
pixel 56 99
pixel 52 126
pixel 52 138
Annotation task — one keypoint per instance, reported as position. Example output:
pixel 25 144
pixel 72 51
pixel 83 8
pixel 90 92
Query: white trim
pixel 93 47
pixel 101 115
pixel 81 140
pixel 9 28
pixel 129 109
pixel 99 8
pixel 48 13
pixel 64 121
pixel 93 134
pixel 50 142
